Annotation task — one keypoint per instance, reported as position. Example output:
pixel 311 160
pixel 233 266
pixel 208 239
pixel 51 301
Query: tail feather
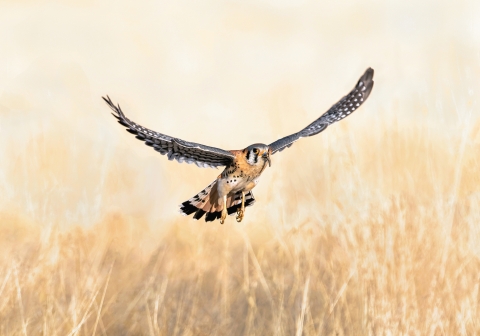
pixel 199 214
pixel 211 216
pixel 206 203
pixel 187 209
pixel 249 200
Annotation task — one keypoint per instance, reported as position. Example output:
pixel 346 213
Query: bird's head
pixel 258 154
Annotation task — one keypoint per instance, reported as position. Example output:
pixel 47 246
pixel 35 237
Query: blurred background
pixel 398 180
pixel 225 74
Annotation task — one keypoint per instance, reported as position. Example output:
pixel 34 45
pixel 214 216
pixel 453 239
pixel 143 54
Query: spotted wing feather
pixel 337 112
pixel 174 148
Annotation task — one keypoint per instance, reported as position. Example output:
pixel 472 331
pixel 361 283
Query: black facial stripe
pixel 256 158
pixel 248 155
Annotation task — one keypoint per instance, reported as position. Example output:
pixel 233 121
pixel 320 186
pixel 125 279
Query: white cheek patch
pixel 251 158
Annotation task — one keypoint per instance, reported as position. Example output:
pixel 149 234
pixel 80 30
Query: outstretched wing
pixel 175 149
pixel 337 112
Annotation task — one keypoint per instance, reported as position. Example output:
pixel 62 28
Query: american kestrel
pixel 231 191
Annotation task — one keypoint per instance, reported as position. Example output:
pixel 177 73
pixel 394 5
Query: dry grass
pixel 367 261
pixel 375 232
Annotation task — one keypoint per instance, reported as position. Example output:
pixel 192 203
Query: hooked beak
pixel 266 156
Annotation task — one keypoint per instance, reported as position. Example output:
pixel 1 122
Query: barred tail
pixel 207 202
pixel 237 202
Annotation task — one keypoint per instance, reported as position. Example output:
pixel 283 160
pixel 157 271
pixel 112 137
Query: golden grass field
pixel 370 228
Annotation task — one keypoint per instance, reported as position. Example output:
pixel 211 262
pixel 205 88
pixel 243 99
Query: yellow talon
pixel 241 210
pixel 239 215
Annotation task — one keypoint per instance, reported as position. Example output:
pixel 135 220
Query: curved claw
pixel 240 214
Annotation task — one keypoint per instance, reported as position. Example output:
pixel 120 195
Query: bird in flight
pixel 231 191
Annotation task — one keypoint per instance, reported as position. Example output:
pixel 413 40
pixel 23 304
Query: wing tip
pixel 109 102
pixel 118 113
pixel 367 81
pixel 368 75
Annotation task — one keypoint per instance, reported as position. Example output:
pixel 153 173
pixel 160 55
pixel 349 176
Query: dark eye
pixel 255 151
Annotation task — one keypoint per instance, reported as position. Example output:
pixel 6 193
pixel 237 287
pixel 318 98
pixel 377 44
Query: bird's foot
pixel 240 214
pixel 241 210
pixel 222 218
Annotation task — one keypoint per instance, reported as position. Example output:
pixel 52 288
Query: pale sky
pixel 222 73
